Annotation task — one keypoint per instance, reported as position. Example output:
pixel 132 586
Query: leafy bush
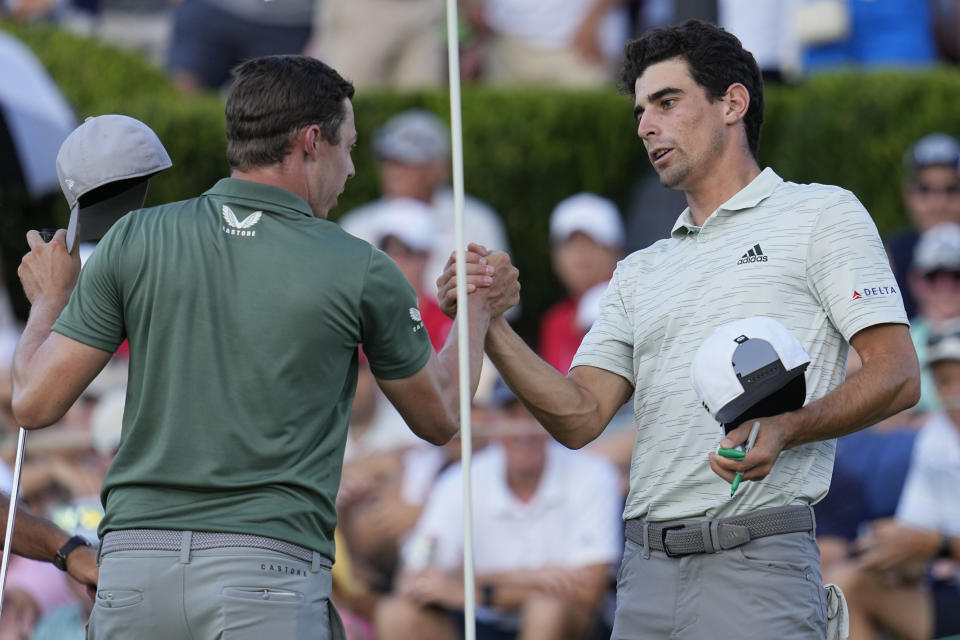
pixel 524 149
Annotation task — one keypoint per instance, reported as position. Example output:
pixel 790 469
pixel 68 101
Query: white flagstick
pixel 466 443
pixel 12 513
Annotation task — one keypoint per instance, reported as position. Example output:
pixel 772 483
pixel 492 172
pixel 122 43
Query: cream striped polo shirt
pixel 807 255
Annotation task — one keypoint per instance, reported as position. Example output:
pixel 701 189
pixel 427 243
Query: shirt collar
pixel 550 489
pixel 750 196
pixel 274 198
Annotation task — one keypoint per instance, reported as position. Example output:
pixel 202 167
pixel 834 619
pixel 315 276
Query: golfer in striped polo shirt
pixel 698 562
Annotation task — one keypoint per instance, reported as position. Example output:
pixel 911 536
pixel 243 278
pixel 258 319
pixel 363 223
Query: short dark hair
pixel 716 60
pixel 272 98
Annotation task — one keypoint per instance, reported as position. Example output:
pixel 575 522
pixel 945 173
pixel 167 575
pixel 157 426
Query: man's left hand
pixel 759 461
pixel 82 566
pixel 48 271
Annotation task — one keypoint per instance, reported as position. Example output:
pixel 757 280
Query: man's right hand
pixel 485 269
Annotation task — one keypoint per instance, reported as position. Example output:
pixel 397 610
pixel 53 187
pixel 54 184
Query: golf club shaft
pixel 12 513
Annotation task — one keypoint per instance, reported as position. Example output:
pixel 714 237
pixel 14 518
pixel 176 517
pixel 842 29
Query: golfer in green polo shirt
pixel 244 309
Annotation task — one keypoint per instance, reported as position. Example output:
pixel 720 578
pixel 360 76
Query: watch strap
pixel 60 559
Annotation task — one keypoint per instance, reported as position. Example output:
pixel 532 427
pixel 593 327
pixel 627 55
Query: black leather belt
pixel 686 537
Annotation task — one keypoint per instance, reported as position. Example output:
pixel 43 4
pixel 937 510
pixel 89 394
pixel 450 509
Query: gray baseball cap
pixel 415 137
pixel 104 167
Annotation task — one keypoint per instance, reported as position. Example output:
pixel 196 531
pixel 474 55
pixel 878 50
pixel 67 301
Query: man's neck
pixel 718 186
pixel 276 175
pixel 523 486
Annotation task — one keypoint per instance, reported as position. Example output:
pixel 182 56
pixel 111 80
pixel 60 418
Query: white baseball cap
pixel 415 137
pixel 744 365
pixel 943 343
pixel 587 213
pixel 938 248
pixel 411 221
pixel 108 159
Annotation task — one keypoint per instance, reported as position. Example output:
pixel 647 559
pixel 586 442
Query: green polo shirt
pixel 243 313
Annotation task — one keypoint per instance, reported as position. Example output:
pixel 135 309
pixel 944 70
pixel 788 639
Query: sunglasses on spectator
pixel 929 189
pixel 931 276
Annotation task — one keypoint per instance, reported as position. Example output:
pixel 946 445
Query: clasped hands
pixel 489 274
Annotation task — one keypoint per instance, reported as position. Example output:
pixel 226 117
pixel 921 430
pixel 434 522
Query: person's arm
pixel 575 409
pixel 429 399
pixel 40 539
pixel 889 544
pixel 49 370
pixel 888 382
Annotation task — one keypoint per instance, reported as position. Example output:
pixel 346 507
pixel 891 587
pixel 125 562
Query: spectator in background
pixel 414 152
pixel 210 37
pixel 586 241
pixel 406 231
pixel 382 43
pixel 935 280
pixel 878 34
pixel 558 42
pixel 546 532
pixel 931 194
pixel 888 584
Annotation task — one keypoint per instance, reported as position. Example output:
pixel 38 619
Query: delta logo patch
pixel 873 292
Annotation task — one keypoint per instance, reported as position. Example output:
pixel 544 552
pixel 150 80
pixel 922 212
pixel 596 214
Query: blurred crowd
pixel 547 521
pixel 401 43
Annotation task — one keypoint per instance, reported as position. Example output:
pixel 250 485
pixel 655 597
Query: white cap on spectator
pixel 410 221
pixel 943 343
pixel 744 362
pixel 938 248
pixel 587 213
pixel 933 149
pixel 414 137
pixel 104 150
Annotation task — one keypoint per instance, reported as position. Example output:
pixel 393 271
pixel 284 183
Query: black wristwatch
pixel 60 560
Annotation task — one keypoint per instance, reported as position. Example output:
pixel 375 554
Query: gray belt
pixel 170 540
pixel 686 537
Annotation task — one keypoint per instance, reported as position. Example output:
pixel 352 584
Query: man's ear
pixel 737 101
pixel 309 139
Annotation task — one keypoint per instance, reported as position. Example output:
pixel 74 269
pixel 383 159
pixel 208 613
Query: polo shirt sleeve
pixel 609 343
pixel 94 313
pixel 392 332
pixel 848 270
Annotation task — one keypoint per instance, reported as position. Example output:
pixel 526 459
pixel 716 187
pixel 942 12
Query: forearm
pixel 568 411
pixel 884 386
pixel 33 537
pixel 27 398
pixel 478 320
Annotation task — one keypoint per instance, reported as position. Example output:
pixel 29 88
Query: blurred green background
pixel 524 149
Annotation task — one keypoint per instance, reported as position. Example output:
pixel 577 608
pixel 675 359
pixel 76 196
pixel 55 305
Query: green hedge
pixel 524 149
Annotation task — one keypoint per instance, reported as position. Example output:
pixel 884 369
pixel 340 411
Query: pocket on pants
pixel 255 613
pixel 118 613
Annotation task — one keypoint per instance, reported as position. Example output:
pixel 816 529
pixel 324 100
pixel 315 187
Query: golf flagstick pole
pixel 466 442
pixel 12 513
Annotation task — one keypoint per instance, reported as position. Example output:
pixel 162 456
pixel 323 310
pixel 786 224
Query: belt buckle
pixel 663 540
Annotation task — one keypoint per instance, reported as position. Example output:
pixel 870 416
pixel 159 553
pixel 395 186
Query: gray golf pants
pixel 232 593
pixel 768 588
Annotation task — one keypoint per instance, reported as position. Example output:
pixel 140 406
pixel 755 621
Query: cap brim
pixel 94 220
pixel 758 392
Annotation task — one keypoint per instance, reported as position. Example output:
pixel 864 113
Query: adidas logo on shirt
pixel 753 255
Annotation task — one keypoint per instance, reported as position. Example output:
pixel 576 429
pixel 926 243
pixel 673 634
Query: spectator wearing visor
pixel 931 195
